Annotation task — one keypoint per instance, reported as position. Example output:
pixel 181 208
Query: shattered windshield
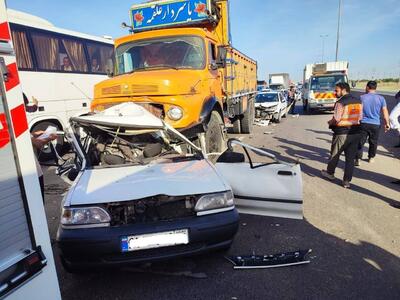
pixel 270 97
pixel 178 52
pixel 106 147
pixel 326 83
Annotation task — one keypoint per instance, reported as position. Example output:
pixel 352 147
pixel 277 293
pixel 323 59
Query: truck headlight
pixel 175 113
pixel 214 201
pixel 82 216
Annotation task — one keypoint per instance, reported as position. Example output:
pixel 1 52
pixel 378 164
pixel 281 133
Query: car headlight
pixel 94 216
pixel 214 201
pixel 175 113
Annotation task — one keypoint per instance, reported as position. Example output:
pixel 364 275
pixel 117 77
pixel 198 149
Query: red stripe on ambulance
pixel 19 121
pixel 5 32
pixel 13 78
pixel 4 134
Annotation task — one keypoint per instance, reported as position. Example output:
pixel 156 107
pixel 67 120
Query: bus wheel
pixel 45 154
pixel 214 136
pixel 247 121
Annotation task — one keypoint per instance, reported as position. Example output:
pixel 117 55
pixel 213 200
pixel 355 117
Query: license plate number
pixel 155 240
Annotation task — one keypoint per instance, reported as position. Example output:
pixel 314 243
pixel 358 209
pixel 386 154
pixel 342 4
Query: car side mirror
pixel 221 57
pixel 110 68
pixel 353 84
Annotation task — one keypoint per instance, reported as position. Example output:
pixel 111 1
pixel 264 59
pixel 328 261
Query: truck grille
pixel 153 209
pixel 139 88
pixel 112 90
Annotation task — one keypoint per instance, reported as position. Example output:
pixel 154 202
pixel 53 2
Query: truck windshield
pixel 326 83
pixel 178 52
pixel 262 98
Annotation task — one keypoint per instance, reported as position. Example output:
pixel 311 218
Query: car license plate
pixel 155 240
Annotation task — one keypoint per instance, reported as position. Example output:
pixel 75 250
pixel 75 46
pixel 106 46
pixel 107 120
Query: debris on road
pixel 260 122
pixel 268 132
pixel 270 261
pixel 296 116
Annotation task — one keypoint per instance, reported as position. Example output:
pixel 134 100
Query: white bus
pixel 58 69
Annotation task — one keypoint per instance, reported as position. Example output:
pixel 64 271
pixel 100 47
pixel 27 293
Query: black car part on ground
pixel 270 261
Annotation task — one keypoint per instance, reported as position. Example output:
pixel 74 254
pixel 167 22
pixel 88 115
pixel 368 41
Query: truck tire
pixel 247 120
pixel 214 135
pixel 46 154
pixel 236 126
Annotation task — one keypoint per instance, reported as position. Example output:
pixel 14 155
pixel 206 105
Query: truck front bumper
pixel 322 105
pixel 102 246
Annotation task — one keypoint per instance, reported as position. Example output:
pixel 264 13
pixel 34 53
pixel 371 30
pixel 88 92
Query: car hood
pixel 266 104
pixel 96 186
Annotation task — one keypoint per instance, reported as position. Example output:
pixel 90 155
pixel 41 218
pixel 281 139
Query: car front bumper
pixel 102 246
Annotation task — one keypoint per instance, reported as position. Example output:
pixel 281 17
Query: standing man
pixel 345 125
pixel 374 105
pixel 394 118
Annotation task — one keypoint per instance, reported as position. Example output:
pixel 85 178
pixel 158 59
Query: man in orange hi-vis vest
pixel 346 128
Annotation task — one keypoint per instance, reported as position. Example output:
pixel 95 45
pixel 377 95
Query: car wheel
pixel 45 154
pixel 247 121
pixel 278 117
pixel 214 135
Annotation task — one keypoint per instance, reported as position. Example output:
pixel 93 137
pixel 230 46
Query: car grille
pixel 153 209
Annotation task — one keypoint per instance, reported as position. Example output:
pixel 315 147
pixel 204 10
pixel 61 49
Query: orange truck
pixel 178 61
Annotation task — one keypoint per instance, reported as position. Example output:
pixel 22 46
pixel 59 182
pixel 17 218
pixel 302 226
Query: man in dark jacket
pixel 345 125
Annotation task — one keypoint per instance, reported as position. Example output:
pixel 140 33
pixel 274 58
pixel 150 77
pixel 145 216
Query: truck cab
pixel 319 85
pixel 186 73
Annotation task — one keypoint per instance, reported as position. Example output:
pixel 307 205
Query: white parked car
pixel 271 105
pixel 142 191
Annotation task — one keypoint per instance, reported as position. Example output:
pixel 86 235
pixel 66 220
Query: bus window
pixel 56 54
pixel 72 56
pixel 99 57
pixel 47 51
pixel 22 51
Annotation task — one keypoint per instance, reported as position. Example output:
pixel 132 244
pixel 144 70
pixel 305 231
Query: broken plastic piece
pixel 270 261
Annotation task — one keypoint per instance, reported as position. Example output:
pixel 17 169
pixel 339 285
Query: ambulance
pixel 27 269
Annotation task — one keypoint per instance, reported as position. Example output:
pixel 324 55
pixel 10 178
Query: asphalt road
pixel 354 235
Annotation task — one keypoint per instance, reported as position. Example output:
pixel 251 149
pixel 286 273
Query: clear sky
pixel 282 35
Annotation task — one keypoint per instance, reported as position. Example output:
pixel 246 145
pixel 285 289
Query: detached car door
pixel 267 189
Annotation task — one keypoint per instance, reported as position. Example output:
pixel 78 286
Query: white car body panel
pixel 128 183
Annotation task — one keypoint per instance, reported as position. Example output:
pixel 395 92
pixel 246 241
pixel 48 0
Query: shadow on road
pixel 338 269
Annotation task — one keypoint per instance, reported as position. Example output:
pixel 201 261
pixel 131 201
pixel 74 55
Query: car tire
pixel 278 117
pixel 214 135
pixel 247 121
pixel 46 154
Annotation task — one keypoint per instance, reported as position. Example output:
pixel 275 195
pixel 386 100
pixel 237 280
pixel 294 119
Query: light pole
pixel 323 37
pixel 338 29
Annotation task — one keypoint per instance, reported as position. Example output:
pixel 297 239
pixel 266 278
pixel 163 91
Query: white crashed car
pixel 141 191
pixel 271 105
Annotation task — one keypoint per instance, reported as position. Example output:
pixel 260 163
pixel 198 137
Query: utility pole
pixel 338 29
pixel 323 36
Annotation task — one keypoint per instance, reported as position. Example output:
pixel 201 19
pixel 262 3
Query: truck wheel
pixel 247 121
pixel 45 154
pixel 236 126
pixel 214 135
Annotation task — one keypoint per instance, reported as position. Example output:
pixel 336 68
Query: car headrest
pixel 231 157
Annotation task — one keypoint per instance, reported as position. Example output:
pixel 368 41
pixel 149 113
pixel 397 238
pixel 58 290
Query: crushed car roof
pixel 127 115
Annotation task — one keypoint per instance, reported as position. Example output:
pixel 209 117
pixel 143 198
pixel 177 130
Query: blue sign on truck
pixel 168 13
